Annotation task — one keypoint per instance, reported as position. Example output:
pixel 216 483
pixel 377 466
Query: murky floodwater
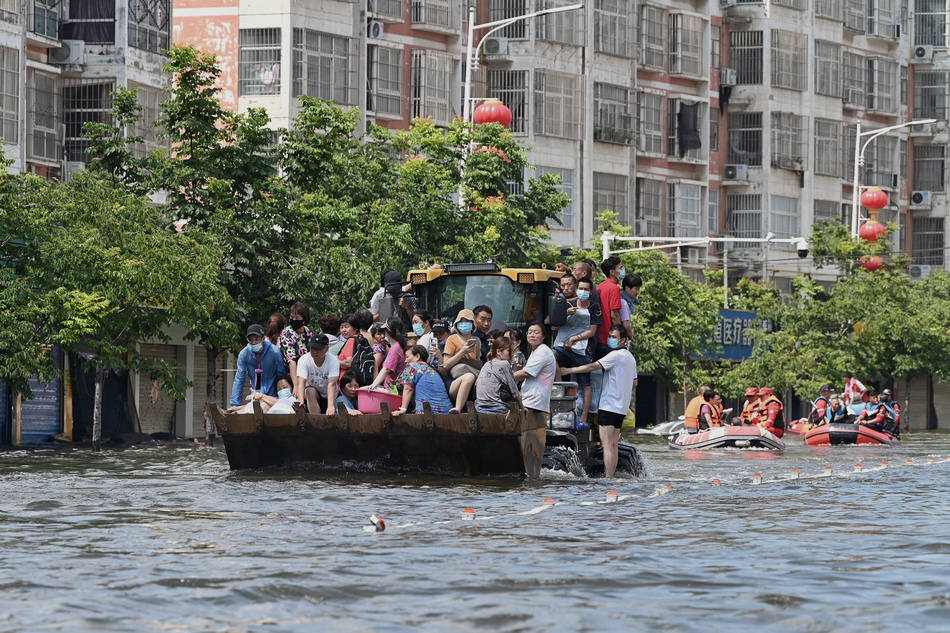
pixel 168 539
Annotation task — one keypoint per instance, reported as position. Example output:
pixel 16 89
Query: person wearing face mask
pixel 295 339
pixel 422 329
pixel 283 403
pixel 572 338
pixel 620 376
pixel 461 358
pixel 260 362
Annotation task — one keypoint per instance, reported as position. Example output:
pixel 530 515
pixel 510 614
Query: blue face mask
pixel 418 329
pixel 622 273
pixel 464 327
pixel 285 393
pixel 583 295
pixel 613 343
pixel 256 347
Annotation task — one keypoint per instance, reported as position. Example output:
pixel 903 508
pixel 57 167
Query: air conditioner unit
pixel 919 271
pixel 922 129
pixel 853 98
pixel 727 77
pixel 71 52
pixel 495 46
pixel 736 172
pixel 921 199
pixel 922 54
pixel 374 30
pixel 725 4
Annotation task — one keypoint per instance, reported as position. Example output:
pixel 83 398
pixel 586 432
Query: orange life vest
pixel 692 412
pixel 764 410
pixel 715 414
pixel 750 412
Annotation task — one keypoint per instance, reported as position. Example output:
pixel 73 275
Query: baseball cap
pixel 255 329
pixel 825 388
pixel 392 280
pixel 440 326
pixel 320 341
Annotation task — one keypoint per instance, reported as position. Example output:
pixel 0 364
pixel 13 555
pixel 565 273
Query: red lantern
pixel 492 111
pixel 874 198
pixel 871 230
pixel 872 263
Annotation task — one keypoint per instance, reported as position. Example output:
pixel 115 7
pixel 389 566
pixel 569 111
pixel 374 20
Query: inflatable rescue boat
pixel 833 434
pixel 733 436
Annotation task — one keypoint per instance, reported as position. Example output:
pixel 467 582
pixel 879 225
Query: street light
pixel 471 54
pixel 859 161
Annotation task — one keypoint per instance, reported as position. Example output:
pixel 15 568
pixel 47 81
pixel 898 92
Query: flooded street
pixel 167 538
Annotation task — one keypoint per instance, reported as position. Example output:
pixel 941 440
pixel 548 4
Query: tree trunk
pixel 211 395
pixel 97 411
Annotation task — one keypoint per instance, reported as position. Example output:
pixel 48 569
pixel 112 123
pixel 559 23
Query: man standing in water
pixel 620 376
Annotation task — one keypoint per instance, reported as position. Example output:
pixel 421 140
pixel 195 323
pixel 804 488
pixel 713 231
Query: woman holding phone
pixel 461 358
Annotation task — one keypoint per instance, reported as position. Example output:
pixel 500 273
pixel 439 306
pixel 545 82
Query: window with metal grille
pixel 92 22
pixel 385 80
pixel 928 246
pixel 903 81
pixel 788 141
pixel 149 22
pixel 10 11
pixel 610 194
pixel 855 15
pixel 10 95
pixel 745 138
pixel 879 162
pixel 848 140
pixel 431 88
pixel 322 66
pixel 930 22
pixel 556 104
pixel 567 187
pixel 744 219
pixel 902 157
pixel 504 9
pixel 827 147
pixel 882 85
pixel 789 60
pixel 150 100
pixel 713 129
pixel 855 76
pixel 511 87
pixel 712 212
pixel 929 167
pixel 432 13
pixel 827 211
pixel 745 56
pixel 831 9
pixel 613 122
pixel 84 100
pixel 651 122
pixel 674 109
pixel 784 218
pixel 930 95
pixel 827 68
pixel 686 44
pixel 715 37
pixel 684 210
pixel 882 18
pixel 613 27
pixel 799 5
pixel 259 62
pixel 649 207
pixel 652 40
pixel 45 17
pixel 44 122
pixel 387 9
pixel 564 27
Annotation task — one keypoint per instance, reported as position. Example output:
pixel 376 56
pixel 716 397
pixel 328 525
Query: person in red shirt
pixel 771 408
pixel 609 293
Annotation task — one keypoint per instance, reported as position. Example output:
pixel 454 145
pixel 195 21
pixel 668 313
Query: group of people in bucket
pixel 442 365
pixel 881 412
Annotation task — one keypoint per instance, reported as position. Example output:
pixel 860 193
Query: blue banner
pixel 735 332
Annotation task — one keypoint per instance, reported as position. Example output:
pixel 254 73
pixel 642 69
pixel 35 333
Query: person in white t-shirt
pixel 320 371
pixel 620 377
pixel 538 376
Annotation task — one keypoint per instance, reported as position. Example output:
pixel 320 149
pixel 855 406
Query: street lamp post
pixel 859 162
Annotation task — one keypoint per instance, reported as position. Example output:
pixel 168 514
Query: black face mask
pixel 296 323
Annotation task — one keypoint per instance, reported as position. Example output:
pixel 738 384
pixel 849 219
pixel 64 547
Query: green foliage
pixel 831 244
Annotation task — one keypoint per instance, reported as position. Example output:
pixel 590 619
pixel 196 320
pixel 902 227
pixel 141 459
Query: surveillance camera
pixel 802 247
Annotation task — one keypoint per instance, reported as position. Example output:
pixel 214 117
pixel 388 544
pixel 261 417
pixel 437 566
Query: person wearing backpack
pixel 363 362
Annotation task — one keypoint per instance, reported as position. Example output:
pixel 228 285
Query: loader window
pixel 508 300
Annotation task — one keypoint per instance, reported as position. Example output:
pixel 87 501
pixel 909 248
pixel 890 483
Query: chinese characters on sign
pixel 735 332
